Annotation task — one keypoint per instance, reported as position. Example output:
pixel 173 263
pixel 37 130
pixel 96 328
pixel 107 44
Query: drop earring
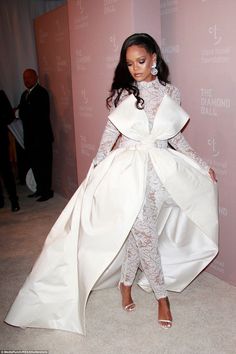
pixel 154 70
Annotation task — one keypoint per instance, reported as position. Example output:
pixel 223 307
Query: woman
pixel 139 201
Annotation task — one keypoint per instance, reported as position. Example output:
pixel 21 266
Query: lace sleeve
pixel 109 138
pixel 110 135
pixel 179 143
pixel 174 93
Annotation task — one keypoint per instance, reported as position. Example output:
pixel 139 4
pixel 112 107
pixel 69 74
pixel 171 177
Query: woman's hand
pixel 212 175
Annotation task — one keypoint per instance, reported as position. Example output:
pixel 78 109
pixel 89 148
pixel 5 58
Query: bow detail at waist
pixel 147 143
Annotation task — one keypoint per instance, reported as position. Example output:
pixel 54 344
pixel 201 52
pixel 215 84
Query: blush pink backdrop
pixel 97 32
pixel 198 42
pixel 53 50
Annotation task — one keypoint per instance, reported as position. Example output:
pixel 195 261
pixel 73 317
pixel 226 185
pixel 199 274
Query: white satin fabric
pixel 84 249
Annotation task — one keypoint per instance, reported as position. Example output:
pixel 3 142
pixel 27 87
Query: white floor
pixel 204 314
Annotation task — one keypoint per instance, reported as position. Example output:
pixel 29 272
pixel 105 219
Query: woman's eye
pixel 128 64
pixel 142 61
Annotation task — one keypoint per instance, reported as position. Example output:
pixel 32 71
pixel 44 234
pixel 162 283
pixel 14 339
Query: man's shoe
pixel 34 195
pixel 45 197
pixel 15 206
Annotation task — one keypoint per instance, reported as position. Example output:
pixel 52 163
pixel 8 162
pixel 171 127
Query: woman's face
pixel 140 62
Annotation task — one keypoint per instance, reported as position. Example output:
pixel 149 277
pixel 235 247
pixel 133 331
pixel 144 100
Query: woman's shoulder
pixel 173 92
pixel 124 94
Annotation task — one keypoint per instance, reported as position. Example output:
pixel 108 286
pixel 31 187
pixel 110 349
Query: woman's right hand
pixel 212 175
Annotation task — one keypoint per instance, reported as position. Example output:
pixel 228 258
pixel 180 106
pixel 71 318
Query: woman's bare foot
pixel 164 313
pixel 127 301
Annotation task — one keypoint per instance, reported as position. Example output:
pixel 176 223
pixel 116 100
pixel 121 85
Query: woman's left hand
pixel 212 175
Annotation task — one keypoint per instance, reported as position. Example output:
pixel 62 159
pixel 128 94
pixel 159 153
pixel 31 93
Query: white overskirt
pixel 84 248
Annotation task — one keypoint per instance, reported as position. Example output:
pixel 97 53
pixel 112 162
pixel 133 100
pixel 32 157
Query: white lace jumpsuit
pixel 142 241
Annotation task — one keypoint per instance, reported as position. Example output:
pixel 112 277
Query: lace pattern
pixel 142 242
pixel 180 143
pixel 109 138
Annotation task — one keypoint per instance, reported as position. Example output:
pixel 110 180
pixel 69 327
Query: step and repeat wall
pixel 97 31
pixel 198 40
pixel 53 51
pixel 78 49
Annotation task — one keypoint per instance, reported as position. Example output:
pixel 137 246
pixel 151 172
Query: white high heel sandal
pixel 130 307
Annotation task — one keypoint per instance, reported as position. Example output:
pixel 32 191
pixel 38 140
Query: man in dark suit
pixel 34 111
pixel 6 117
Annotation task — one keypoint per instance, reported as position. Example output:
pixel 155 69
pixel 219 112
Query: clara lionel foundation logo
pixel 61 63
pixel 169 7
pixel 112 60
pixel 215 33
pixel 82 18
pixel 43 36
pixel 212 143
pixel 65 95
pixel 217 159
pixel 59 33
pixel 223 211
pixel 85 109
pixel 84 97
pixel 114 43
pixel 216 52
pixel 109 6
pixel 82 60
pixel 45 64
pixel 86 148
pixel 169 50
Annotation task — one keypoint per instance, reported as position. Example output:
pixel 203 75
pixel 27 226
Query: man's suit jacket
pixel 34 111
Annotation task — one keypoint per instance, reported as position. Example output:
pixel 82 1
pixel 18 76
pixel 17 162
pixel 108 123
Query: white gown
pixel 84 249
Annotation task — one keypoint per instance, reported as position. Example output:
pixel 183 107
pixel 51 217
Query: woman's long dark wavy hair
pixel 123 80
